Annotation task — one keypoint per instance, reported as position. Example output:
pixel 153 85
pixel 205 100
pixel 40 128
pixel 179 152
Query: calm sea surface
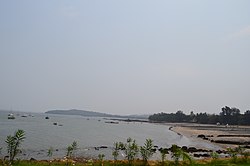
pixel 89 132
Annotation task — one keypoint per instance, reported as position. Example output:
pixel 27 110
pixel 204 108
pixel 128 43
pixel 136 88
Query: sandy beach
pixel 221 135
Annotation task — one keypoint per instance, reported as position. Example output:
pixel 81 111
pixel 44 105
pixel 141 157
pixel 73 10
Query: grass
pixel 205 162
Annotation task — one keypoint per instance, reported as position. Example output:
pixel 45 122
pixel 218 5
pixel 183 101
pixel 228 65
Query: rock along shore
pixel 223 136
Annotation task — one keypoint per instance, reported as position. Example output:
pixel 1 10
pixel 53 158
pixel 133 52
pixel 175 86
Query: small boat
pixel 11 116
pixel 24 116
pixel 46 117
pixel 112 122
pixel 54 123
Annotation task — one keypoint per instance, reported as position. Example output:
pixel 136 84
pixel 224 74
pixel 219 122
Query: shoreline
pixel 222 136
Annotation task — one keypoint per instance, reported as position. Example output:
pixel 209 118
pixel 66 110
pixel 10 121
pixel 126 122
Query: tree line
pixel 230 116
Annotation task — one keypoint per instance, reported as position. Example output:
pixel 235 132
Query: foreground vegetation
pixel 134 155
pixel 205 162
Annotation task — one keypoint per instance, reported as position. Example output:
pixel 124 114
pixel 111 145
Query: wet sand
pixel 223 136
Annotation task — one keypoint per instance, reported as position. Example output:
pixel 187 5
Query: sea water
pixel 59 131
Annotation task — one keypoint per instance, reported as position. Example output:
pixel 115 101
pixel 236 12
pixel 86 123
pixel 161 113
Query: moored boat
pixel 11 116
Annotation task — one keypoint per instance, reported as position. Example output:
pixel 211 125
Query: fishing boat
pixel 11 116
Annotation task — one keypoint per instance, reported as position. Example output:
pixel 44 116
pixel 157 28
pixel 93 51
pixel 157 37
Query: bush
pixel 13 144
pixel 130 149
pixel 147 150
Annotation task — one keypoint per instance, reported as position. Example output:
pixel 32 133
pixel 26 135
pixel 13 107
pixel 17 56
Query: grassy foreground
pixel 180 156
pixel 204 162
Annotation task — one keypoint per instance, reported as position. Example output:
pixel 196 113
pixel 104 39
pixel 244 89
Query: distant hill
pixel 91 113
pixel 78 112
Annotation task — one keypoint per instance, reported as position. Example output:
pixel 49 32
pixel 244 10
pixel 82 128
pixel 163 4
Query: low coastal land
pixel 222 135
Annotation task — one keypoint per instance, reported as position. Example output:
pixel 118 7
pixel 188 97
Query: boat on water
pixel 112 122
pixel 24 116
pixel 11 116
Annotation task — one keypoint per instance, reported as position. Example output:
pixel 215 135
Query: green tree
pixel 13 144
pixel 230 115
pixel 147 150
pixel 202 118
pixel 115 152
pixel 130 149
pixel 180 116
pixel 246 118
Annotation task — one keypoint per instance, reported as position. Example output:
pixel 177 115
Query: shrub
pixel 71 149
pixel 50 152
pixel 13 144
pixel 130 149
pixel 101 157
pixel 115 152
pixel 178 153
pixel 163 152
pixel 147 150
pixel 233 153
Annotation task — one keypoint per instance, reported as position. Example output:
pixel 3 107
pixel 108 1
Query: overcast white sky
pixel 125 57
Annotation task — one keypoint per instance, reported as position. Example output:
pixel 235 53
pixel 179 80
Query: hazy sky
pixel 125 57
